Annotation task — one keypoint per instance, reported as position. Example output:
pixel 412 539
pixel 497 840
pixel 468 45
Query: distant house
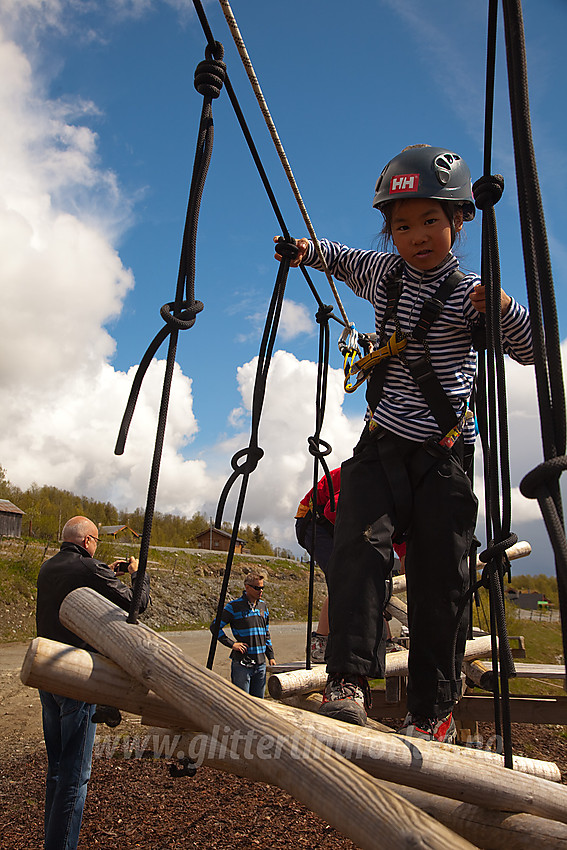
pixel 217 540
pixel 528 600
pixel 116 530
pixel 10 519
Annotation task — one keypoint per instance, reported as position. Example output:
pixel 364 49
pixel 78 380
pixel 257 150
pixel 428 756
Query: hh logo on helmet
pixel 404 183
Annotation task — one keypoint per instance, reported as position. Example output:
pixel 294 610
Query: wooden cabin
pixel 10 519
pixel 116 531
pixel 218 541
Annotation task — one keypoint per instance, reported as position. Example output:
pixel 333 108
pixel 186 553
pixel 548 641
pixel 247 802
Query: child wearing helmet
pixel 407 475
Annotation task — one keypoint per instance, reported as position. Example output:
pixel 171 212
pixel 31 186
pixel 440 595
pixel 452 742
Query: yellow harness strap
pixel 365 365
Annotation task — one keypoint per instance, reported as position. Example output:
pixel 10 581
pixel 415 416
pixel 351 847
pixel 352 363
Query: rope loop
pixel 488 190
pixel 210 74
pixel 495 549
pixel 215 51
pixel 314 443
pixel 183 320
pixel 324 313
pixel 545 472
pixel 479 337
pixel 253 456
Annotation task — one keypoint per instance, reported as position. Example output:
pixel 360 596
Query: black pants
pixel 394 485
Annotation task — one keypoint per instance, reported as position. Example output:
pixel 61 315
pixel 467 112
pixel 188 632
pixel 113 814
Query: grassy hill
pixel 185 586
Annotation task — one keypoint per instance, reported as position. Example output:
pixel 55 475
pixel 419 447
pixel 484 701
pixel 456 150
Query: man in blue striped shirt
pixel 248 618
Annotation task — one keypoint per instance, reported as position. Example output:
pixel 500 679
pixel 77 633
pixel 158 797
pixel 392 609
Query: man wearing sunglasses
pixel 251 646
pixel 67 723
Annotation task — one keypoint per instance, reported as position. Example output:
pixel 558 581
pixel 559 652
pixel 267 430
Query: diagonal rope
pixel 248 67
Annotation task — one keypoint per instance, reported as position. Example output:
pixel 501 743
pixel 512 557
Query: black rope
pixel 543 311
pixel 491 410
pixel 181 313
pixel 253 454
pixel 315 442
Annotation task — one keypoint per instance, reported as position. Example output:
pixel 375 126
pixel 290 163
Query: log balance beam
pixel 342 797
pixel 339 792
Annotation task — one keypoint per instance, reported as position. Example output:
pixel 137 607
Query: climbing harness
pixel 364 365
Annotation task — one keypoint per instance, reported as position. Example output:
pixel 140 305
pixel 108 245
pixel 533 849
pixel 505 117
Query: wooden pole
pixel 493 830
pixel 398 609
pixel 340 793
pixel 91 677
pixel 283 685
pixel 519 550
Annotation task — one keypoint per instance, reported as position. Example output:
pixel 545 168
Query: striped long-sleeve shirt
pixel 250 624
pixel 402 408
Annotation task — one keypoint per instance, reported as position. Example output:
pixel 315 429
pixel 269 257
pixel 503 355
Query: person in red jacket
pixel 325 512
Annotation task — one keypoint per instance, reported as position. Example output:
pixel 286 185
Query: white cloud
pixel 295 320
pixel 61 282
pixel 284 474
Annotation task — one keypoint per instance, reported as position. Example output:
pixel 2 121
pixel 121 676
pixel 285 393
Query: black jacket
pixel 71 568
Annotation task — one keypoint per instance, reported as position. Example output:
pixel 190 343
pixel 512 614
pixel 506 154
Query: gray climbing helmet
pixel 426 172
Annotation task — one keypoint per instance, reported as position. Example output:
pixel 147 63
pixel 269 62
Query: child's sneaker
pixel 440 729
pixel 346 697
pixel 318 647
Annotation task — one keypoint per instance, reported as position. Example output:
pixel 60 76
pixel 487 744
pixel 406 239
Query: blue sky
pixel 99 119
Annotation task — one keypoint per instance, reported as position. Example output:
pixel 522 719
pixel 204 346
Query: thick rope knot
pixel 324 313
pixel 210 74
pixel 181 320
pixel 253 456
pixel 286 248
pixel 495 549
pixel 548 471
pixel 488 190
pixel 314 443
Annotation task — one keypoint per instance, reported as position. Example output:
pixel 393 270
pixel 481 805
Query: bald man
pixel 67 723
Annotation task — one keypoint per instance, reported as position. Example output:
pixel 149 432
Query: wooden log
pixel 398 609
pixel 490 829
pixel 493 830
pixel 282 685
pixel 479 674
pixel 523 709
pixel 79 674
pixel 367 745
pixel 519 550
pixel 340 793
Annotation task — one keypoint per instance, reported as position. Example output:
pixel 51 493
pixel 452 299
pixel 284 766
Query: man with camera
pixel 67 723
pixel 248 618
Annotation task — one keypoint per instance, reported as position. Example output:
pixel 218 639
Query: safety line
pixel 246 61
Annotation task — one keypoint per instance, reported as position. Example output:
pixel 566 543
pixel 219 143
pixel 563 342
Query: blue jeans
pixel 69 737
pixel 249 679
